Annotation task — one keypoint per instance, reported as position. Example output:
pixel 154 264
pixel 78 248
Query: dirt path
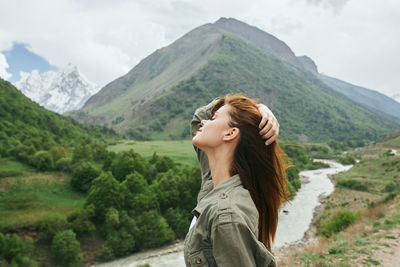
pixel 389 256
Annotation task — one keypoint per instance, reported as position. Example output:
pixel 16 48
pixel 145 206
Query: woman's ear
pixel 231 134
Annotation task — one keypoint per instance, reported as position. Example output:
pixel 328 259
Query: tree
pixel 66 249
pixel 122 166
pixel 82 152
pixel 179 220
pixel 164 163
pixel 166 188
pixel 135 183
pixel 121 233
pixel 104 194
pixel 154 230
pixel 82 175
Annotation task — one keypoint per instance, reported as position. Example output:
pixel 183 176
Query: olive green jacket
pixel 226 229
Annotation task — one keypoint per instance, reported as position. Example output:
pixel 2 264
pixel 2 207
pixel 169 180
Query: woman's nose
pixel 203 122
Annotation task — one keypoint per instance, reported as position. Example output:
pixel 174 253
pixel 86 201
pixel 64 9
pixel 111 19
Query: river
pixel 294 220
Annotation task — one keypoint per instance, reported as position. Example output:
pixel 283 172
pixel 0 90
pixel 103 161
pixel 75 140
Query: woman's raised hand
pixel 270 130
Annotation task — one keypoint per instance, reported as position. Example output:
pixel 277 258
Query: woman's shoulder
pixel 236 206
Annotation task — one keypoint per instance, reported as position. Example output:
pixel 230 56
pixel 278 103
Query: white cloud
pixel 355 40
pixel 3 68
pixel 336 5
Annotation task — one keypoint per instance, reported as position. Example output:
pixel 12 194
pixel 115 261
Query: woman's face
pixel 211 132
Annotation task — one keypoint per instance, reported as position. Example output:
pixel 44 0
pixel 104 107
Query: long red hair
pixel 262 169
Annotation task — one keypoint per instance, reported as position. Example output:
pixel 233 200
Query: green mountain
pixel 157 98
pixel 27 126
pixel 368 98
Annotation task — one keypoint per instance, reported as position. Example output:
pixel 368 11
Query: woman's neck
pixel 220 162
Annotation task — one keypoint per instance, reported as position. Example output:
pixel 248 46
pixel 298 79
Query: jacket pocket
pixel 198 259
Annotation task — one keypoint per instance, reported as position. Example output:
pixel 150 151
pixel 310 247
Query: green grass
pixel 364 185
pixel 27 200
pixel 180 151
pixel 376 172
pixel 13 168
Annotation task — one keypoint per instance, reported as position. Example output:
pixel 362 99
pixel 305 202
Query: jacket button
pixel 198 260
pixel 223 196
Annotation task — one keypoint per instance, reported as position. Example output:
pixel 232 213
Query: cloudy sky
pixel 353 40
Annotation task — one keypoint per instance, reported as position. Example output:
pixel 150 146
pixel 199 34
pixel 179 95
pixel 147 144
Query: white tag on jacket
pixel 193 222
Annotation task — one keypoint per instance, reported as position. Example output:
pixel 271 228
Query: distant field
pixel 28 198
pixel 180 151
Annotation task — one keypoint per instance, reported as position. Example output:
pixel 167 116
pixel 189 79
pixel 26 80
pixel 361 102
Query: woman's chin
pixel 195 141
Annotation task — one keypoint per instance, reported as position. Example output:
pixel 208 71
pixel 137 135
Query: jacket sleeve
pixel 235 245
pixel 202 113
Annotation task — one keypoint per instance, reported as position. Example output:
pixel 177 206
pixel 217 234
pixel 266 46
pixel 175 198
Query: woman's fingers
pixel 267 127
pixel 270 131
pixel 263 121
pixel 269 124
pixel 272 138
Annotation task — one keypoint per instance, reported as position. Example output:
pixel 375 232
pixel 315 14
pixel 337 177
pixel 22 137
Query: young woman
pixel 243 184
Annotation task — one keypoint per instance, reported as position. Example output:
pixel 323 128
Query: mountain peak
pixel 59 91
pixel 69 68
pixel 262 39
pixel 226 20
pixel 308 64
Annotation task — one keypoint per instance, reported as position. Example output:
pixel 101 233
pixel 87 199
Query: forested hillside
pixel 26 127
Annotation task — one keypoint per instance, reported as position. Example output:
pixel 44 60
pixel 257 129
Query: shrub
pixel 390 187
pixel 105 253
pixel 353 184
pixel 58 152
pixel 51 226
pixel 337 250
pixel 13 251
pixel 389 197
pixel 43 161
pixel 293 177
pixel 21 201
pixel 22 152
pixel 338 222
pixel 10 247
pixel 66 249
pixel 347 160
pixel 64 165
pixel 80 223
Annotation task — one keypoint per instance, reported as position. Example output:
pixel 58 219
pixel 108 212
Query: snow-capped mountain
pixel 59 91
pixel 396 97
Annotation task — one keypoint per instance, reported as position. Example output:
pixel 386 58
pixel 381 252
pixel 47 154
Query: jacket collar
pixel 215 193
